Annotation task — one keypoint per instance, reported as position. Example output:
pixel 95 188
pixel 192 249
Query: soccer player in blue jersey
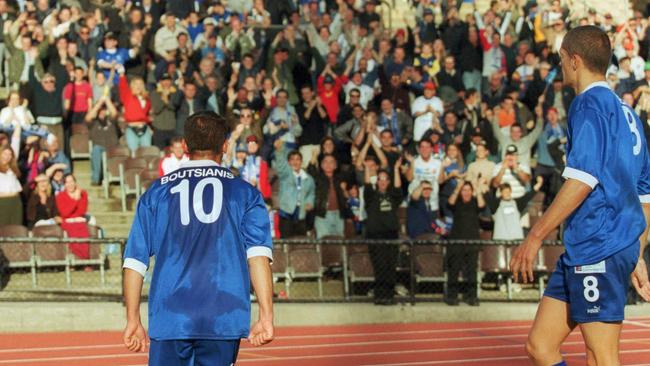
pixel 210 235
pixel 605 201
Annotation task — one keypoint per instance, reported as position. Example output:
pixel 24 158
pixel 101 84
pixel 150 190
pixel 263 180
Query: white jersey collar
pixel 603 84
pixel 198 163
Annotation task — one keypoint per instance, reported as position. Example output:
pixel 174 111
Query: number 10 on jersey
pixel 197 202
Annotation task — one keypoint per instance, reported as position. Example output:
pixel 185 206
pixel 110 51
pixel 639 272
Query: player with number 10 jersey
pixel 210 234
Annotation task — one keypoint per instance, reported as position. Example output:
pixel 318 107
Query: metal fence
pixel 304 270
pixel 45 269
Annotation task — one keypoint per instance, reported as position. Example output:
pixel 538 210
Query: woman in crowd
pixel 11 207
pixel 72 205
pixel 466 206
pixel 41 205
pixel 137 106
pixel 382 201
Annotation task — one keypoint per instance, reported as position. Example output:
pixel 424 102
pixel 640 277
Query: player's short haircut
pixel 294 153
pixel 592 45
pixel 205 131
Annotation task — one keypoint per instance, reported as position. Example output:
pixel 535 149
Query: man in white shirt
pixel 366 93
pixel 426 109
pixel 425 168
pixel 166 38
pixel 174 160
pixel 512 172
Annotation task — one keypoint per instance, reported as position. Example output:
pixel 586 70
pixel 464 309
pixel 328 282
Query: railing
pixel 304 270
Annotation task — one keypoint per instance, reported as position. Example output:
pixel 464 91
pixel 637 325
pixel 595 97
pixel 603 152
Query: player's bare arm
pixel 135 337
pixel 570 197
pixel 262 280
pixel 640 274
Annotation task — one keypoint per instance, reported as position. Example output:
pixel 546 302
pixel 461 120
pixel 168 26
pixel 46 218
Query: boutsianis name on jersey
pixel 197 173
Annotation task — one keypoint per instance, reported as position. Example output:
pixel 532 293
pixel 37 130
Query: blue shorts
pixel 193 352
pixel 596 292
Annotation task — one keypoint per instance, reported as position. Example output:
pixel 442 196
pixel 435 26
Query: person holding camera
pixel 512 172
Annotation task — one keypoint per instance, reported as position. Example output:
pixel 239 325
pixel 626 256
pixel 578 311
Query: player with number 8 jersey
pixel 606 204
pixel 205 227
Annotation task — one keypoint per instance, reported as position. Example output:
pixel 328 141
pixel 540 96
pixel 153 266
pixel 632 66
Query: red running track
pixel 487 343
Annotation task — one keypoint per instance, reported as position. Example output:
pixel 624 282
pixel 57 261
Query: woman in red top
pixel 137 105
pixel 72 204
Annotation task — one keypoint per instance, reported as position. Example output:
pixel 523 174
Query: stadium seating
pixel 429 261
pixel 150 154
pixel 111 160
pixel 129 173
pixel 51 254
pixel 19 255
pixel 147 177
pixel 280 267
pixel 359 264
pixel 80 144
pixel 305 262
pixel 97 258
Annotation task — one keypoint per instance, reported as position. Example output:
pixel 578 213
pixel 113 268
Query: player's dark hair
pixel 205 131
pixel 505 186
pixel 592 45
pixel 294 153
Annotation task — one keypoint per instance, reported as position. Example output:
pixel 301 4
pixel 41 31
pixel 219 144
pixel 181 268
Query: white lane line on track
pixel 310 357
pixel 310 346
pixel 636 323
pixel 486 359
pixel 73 358
pixel 312 336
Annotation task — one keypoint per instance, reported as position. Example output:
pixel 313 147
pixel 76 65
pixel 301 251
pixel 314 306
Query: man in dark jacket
pixel 187 103
pixel 330 207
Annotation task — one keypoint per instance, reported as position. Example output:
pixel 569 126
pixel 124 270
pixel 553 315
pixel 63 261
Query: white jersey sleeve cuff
pixel 136 265
pixel 259 251
pixel 645 198
pixel 586 178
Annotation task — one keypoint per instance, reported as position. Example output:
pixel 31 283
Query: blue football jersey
pixel 607 150
pixel 201 224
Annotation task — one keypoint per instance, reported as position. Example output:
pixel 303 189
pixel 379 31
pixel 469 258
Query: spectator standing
pixel 137 106
pixel 329 87
pixel 426 110
pixel 104 133
pixel 176 157
pixel 524 144
pixel 11 207
pixel 187 103
pixel 381 202
pixel 255 170
pixel 50 88
pixel 398 122
pixel 425 168
pixel 297 191
pixel 512 172
pixel 466 206
pixel 56 156
pixel 166 38
pixel 41 205
pixel 507 211
pixel 15 113
pixel 283 122
pixel 330 205
pixel 482 167
pixel 112 57
pixel 77 97
pixel 313 120
pixel 163 112
pixel 421 216
pixel 72 205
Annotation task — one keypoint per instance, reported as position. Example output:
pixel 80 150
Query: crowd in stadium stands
pixel 458 118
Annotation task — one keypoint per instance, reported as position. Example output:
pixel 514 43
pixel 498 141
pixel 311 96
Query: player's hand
pixel 135 337
pixel 261 333
pixel 523 259
pixel 640 280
